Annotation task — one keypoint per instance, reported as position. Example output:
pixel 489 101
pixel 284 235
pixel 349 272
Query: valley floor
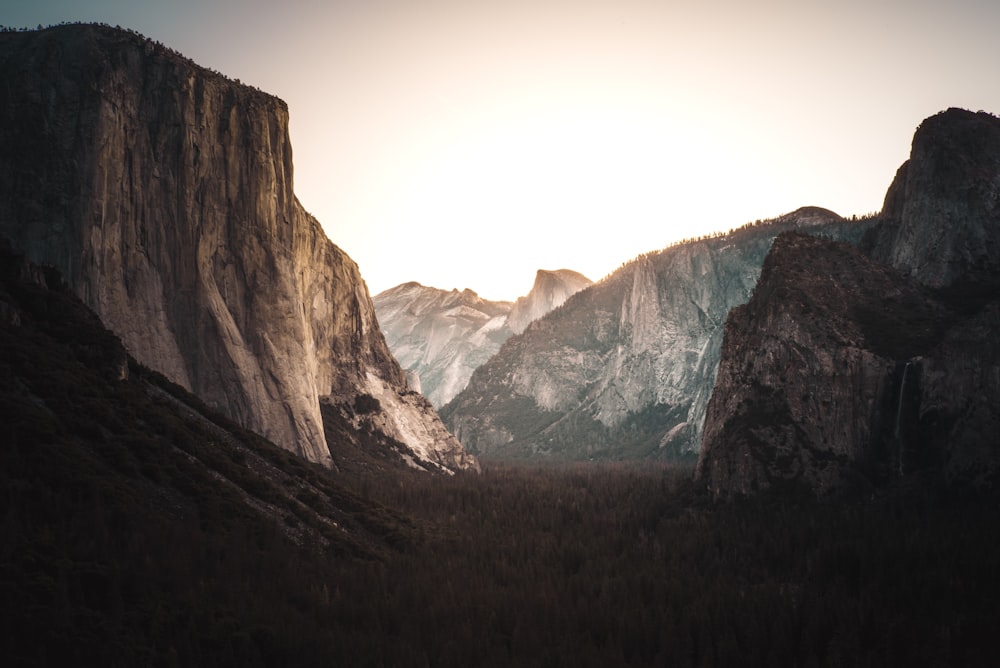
pixel 607 565
pixel 573 565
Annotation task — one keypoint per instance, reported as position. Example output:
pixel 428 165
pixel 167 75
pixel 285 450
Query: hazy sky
pixel 467 144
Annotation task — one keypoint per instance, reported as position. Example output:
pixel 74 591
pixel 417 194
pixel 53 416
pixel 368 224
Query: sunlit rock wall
pixel 163 192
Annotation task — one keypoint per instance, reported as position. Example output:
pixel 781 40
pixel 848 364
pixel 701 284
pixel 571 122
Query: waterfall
pixel 899 410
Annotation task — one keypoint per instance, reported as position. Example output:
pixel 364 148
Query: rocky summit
pixel 847 371
pixel 163 193
pixel 939 221
pixel 440 337
pixel 550 290
pixel 624 368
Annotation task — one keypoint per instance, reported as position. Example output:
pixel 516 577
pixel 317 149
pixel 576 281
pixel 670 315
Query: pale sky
pixel 467 144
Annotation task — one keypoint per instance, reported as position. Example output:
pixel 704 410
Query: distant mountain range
pixel 624 368
pixel 867 352
pixel 441 337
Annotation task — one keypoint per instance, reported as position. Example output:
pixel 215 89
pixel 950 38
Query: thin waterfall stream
pixel 899 411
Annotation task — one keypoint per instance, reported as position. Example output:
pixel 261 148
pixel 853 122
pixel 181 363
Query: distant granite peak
pixel 550 290
pixel 441 336
pixel 808 216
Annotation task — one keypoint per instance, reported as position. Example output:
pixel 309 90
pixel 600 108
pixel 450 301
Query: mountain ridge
pixel 623 369
pixel 850 370
pixel 440 337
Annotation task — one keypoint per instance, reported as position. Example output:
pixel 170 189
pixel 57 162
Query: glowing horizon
pixel 467 145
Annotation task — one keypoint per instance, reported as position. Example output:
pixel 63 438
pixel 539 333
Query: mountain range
pixel 624 369
pixel 283 514
pixel 162 193
pixel 867 351
pixel 440 337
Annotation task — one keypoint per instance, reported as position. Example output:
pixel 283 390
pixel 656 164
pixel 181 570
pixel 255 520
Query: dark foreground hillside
pixel 139 528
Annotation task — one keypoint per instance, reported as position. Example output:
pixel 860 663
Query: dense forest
pixel 590 565
pixel 140 528
pixel 609 565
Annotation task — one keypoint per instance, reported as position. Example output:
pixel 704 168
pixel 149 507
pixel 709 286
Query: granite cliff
pixel 163 193
pixel 846 371
pixel 550 290
pixel 441 337
pixel 939 220
pixel 625 367
pixel 148 504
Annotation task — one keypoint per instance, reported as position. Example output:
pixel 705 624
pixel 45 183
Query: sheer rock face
pixel 775 411
pixel 841 374
pixel 941 210
pixel 442 336
pixel 163 192
pixel 845 371
pixel 624 368
pixel 551 290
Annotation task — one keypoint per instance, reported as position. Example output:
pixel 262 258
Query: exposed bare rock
pixel 625 367
pixel 551 290
pixel 941 210
pixel 960 397
pixel 163 192
pixel 443 336
pixel 440 336
pixel 798 385
pixel 844 372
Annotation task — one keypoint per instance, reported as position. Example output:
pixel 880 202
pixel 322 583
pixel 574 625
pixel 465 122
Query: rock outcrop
pixel 163 193
pixel 550 290
pixel 940 213
pixel 624 368
pixel 845 372
pixel 441 337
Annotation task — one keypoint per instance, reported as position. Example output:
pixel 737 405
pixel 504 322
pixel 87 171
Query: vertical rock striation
pixel 443 336
pixel 550 290
pixel 624 368
pixel 848 371
pixel 940 213
pixel 163 192
pixel 440 336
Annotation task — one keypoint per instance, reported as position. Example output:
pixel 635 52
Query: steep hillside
pixel 163 192
pixel 139 524
pixel 625 367
pixel 846 372
pixel 441 337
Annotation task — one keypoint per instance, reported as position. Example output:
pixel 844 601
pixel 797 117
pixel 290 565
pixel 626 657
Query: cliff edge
pixel 848 370
pixel 163 192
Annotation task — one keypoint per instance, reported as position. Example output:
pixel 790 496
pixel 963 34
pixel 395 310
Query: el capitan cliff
pixel 163 193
